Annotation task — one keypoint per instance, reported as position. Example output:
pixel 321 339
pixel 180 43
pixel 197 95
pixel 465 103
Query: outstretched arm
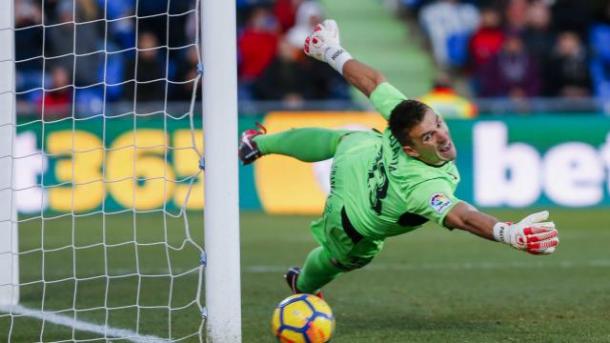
pixel 323 44
pixel 531 234
pixel 467 218
pixel 361 76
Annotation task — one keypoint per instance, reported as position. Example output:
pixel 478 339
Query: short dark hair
pixel 404 117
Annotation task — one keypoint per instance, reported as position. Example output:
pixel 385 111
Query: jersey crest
pixel 440 202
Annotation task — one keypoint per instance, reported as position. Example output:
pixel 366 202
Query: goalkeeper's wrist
pixel 336 57
pixel 500 232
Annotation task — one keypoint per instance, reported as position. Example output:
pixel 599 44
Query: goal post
pixel 104 234
pixel 9 262
pixel 221 179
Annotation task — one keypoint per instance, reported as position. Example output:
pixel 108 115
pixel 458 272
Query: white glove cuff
pixel 336 57
pixel 500 232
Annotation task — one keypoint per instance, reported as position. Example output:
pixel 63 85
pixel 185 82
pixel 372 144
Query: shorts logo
pixel 439 202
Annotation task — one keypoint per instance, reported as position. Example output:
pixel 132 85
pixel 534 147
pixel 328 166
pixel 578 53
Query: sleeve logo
pixel 439 202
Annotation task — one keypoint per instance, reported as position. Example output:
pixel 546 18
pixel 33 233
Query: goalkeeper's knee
pixel 352 263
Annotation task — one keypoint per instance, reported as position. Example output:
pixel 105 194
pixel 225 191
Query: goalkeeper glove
pixel 531 234
pixel 323 44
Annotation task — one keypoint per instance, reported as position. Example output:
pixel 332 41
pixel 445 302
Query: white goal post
pixel 9 262
pixel 112 244
pixel 222 206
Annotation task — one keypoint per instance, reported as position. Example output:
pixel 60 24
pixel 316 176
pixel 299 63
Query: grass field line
pixel 452 266
pixel 80 325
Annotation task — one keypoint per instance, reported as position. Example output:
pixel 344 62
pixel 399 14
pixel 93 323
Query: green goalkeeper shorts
pixel 348 249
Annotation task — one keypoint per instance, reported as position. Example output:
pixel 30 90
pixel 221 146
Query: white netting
pixel 105 161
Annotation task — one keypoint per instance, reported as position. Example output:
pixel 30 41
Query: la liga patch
pixel 440 202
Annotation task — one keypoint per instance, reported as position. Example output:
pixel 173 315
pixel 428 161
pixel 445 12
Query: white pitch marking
pixel 450 266
pixel 81 325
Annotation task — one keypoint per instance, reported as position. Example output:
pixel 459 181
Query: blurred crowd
pixel 272 65
pixel 77 56
pixel 521 48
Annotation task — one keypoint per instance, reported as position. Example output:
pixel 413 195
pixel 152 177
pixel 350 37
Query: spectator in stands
pixel 257 46
pixel 185 77
pixel 325 84
pixel 285 11
pixel 285 79
pixel 28 45
pixel 56 100
pixel 487 40
pixel 443 99
pixel 449 25
pixel 511 73
pixel 80 55
pixel 485 44
pixel 257 43
pixel 191 27
pixel 122 24
pixel 538 36
pixel 516 16
pixel 146 82
pixel 572 15
pixel 568 69
pixel 292 78
pixel 151 18
pixel 600 61
pixel 309 14
pixel 76 44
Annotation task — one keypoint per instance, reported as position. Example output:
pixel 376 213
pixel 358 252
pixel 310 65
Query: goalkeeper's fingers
pixel 544 247
pixel 332 27
pixel 312 46
pixel 535 218
pixel 537 234
pixel 541 238
pixel 547 251
pixel 327 26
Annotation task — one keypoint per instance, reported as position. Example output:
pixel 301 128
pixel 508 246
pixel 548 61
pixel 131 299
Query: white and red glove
pixel 533 234
pixel 323 44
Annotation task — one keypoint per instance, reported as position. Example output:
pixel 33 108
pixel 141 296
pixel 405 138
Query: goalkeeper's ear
pixel 410 151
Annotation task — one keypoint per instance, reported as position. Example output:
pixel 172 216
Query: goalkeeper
pixel 383 184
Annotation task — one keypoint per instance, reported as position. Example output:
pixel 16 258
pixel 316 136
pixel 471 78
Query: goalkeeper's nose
pixel 442 137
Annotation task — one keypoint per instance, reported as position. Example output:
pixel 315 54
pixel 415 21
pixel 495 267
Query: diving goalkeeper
pixel 383 184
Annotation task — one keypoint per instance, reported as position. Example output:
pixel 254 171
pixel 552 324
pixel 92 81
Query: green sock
pixel 317 271
pixel 306 144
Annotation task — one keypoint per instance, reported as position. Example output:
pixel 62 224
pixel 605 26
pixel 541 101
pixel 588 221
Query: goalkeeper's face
pixel 431 141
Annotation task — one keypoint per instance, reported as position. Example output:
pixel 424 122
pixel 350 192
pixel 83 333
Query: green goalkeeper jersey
pixel 385 192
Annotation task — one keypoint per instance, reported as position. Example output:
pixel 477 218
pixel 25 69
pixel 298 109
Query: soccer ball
pixel 303 318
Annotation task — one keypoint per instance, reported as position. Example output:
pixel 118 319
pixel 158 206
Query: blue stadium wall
pixel 549 161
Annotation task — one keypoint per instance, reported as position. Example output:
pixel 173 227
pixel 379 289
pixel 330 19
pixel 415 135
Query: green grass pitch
pixel 431 285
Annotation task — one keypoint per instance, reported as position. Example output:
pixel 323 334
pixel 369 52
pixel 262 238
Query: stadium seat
pixel 457 48
pixel 114 70
pixel 600 41
pixel 600 63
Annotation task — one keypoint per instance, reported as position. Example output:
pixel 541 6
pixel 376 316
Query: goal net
pixel 101 193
